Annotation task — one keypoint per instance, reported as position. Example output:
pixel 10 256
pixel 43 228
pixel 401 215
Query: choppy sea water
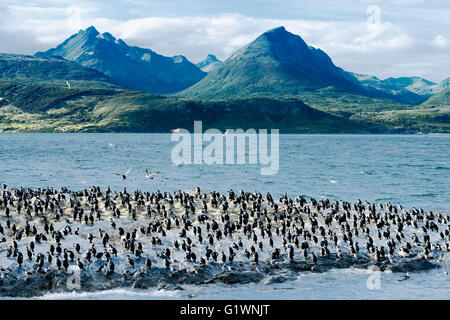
pixel 334 284
pixel 413 170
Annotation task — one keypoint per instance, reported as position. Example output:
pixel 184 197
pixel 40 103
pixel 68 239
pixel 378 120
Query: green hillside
pixel 41 108
pixel 431 116
pixel 31 70
pixel 420 119
pixel 440 99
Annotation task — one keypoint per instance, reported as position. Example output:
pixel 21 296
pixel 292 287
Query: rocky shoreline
pixel 62 241
pixel 14 284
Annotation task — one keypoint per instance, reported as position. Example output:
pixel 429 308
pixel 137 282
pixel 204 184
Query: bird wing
pixel 150 175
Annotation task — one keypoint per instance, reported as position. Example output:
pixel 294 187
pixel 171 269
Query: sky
pixel 385 38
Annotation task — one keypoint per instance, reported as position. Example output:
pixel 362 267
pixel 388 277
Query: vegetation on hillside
pixel 40 108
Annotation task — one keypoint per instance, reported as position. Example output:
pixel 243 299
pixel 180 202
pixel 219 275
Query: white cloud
pixel 228 32
pixel 440 42
pixel 383 48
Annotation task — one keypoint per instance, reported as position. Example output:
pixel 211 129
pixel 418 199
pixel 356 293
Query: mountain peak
pixel 279 30
pixel 108 36
pixel 211 57
pixel 209 63
pixel 90 30
pixel 279 33
pixel 277 44
pixel 129 66
pixel 277 62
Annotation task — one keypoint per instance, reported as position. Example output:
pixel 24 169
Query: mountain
pixel 444 83
pixel 54 71
pixel 413 90
pixel 404 89
pixel 131 67
pixel 209 63
pixel 417 85
pixel 39 108
pixel 440 99
pixel 56 109
pixel 277 63
pixel 277 81
pixel 433 115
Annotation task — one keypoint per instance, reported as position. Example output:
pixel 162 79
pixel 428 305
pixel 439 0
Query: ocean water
pixel 413 170
pixel 334 284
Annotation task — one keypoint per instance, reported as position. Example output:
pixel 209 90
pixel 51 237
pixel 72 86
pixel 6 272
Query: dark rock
pixel 169 287
pixel 274 279
pixel 233 277
pixel 414 265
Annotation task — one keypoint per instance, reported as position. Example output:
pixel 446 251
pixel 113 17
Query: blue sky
pixel 380 37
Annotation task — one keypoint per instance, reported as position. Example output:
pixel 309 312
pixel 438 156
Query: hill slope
pixel 440 99
pixel 32 70
pixel 279 63
pixel 131 67
pixel 431 116
pixel 39 108
pixel 402 90
pixel 49 109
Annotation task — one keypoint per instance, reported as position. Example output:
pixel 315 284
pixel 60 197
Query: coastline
pixel 34 279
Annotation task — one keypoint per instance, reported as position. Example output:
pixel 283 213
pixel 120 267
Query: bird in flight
pixel 68 84
pixel 124 175
pixel 149 175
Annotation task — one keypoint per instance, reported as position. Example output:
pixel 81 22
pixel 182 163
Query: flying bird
pixel 124 175
pixel 68 84
pixel 149 175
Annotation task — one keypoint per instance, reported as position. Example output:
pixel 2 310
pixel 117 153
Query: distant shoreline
pixel 281 133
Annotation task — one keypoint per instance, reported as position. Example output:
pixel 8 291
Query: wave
pixel 114 294
pixel 423 195
pixel 385 199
